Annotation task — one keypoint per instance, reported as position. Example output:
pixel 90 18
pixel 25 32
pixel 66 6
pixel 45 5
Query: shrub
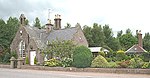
pixel 146 65
pixel 113 65
pixel 52 62
pixel 120 55
pixel 102 53
pixel 124 64
pixel 7 57
pixel 14 54
pixel 27 60
pixel 99 61
pixel 82 57
pixel 136 63
pixel 35 60
pixel 66 62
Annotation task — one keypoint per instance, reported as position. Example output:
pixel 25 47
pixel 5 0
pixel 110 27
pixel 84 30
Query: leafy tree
pixel 97 35
pixel 8 31
pixel 128 31
pixel 37 23
pixel 88 34
pixel 109 40
pixel 119 33
pixel 26 22
pixel 68 25
pixel 61 49
pixel 127 40
pixel 146 42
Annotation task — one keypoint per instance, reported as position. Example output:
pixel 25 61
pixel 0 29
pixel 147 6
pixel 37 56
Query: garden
pixel 65 54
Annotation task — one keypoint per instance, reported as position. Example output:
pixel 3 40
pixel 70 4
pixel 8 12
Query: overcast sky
pixel 119 14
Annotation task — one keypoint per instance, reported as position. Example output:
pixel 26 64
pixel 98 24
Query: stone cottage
pixel 30 41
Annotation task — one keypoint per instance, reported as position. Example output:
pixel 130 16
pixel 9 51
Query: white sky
pixel 119 14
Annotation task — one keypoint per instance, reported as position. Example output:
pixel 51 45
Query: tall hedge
pixel 82 57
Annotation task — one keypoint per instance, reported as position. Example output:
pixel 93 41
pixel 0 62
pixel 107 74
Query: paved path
pixel 24 73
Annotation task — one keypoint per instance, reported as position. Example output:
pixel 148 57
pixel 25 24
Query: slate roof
pixel 41 37
pixel 136 49
pixel 63 34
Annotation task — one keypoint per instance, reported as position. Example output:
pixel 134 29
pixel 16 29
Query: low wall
pixel 97 70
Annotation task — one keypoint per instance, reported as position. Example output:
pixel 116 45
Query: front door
pixel 32 57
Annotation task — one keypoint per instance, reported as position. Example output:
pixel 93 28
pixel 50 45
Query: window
pixel 22 49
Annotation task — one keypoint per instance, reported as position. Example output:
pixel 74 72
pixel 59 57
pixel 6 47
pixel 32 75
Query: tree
pixel 60 49
pixel 128 31
pixel 127 40
pixel 88 34
pixel 109 40
pixel 37 23
pixel 8 31
pixel 119 33
pixel 68 25
pixel 26 22
pixel 146 42
pixel 97 35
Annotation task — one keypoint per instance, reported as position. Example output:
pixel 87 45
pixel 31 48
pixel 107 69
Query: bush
pixel 7 57
pixel 120 55
pixel 124 64
pixel 27 60
pixel 82 57
pixel 14 54
pixel 101 53
pixel 52 62
pixel 146 65
pixel 99 61
pixel 66 62
pixel 136 63
pixel 113 65
pixel 35 60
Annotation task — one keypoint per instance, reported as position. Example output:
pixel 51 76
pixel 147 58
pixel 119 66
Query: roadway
pixel 26 73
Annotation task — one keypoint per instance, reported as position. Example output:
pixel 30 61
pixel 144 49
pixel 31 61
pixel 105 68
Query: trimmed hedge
pixel 82 57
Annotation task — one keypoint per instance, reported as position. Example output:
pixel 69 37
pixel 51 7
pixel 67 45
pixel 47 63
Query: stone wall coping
pixel 96 70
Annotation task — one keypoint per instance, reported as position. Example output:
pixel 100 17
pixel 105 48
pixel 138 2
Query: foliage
pixel 37 23
pixel 113 65
pixel 7 57
pixel 35 60
pixel 146 65
pixel 88 34
pixel 14 54
pixel 145 56
pixel 66 62
pixel 127 40
pixel 68 25
pixel 60 49
pixel 82 57
pixel 101 53
pixel 124 64
pixel 52 62
pixel 27 60
pixel 146 42
pixel 8 31
pixel 99 61
pixel 120 55
pixel 136 63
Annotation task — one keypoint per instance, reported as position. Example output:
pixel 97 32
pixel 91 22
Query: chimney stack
pixel 57 22
pixel 140 39
pixel 49 26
